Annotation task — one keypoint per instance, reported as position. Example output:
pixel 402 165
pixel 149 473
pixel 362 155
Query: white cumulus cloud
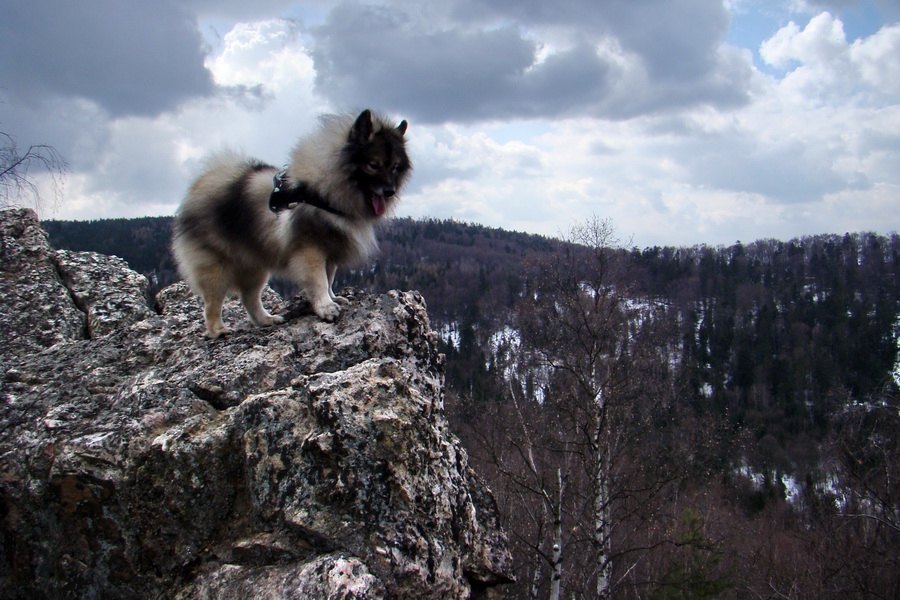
pixel 820 61
pixel 268 53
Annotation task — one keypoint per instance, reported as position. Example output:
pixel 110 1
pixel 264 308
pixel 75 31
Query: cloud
pixel 889 9
pixel 821 63
pixel 792 171
pixel 820 131
pixel 130 57
pixel 241 10
pixel 372 55
pixel 454 154
pixel 877 60
pixel 673 47
pixel 266 54
pixel 525 115
pixel 139 165
pixel 608 60
pixel 676 37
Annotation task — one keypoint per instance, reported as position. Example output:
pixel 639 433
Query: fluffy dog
pixel 243 220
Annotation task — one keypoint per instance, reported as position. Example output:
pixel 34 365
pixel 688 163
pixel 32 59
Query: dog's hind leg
pixel 212 314
pixel 212 285
pixel 251 287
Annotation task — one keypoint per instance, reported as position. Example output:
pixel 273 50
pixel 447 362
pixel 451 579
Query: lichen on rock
pixel 139 459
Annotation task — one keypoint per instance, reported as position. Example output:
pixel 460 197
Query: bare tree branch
pixel 18 171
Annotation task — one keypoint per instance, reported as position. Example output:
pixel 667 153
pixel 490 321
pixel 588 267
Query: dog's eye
pixel 372 167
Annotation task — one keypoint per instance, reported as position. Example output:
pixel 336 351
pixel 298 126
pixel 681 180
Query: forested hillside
pixel 656 423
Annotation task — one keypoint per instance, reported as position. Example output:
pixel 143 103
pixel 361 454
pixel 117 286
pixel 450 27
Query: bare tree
pixel 863 454
pixel 18 169
pixel 582 450
pixel 864 451
pixel 517 441
pixel 608 361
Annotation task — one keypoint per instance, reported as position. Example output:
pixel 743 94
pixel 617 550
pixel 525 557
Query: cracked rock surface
pixel 308 460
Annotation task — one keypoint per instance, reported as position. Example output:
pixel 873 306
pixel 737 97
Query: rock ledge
pixel 308 460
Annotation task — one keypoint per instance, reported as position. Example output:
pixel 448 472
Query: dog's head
pixel 376 155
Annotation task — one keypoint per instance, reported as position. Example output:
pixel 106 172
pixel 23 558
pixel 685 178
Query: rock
pixel 110 294
pixel 36 310
pixel 139 459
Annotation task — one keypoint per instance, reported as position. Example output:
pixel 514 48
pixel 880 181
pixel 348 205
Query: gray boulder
pixel 139 459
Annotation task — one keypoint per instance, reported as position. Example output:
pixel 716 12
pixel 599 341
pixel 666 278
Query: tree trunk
pixel 557 555
pixel 538 570
pixel 602 521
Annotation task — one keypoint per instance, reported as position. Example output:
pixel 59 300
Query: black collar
pixel 284 196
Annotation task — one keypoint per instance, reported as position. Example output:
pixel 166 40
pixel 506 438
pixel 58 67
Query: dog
pixel 243 220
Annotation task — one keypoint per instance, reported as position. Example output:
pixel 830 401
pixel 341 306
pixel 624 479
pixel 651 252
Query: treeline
pixel 459 267
pixel 749 397
pixel 780 335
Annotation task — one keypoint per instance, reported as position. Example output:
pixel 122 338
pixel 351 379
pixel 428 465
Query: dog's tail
pixel 223 159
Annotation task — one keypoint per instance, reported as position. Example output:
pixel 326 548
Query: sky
pixel 683 121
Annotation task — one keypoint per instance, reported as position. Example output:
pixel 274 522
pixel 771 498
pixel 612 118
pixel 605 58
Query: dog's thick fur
pixel 343 180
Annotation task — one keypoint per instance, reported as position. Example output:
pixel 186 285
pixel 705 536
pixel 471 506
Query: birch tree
pixel 606 366
pixel 522 445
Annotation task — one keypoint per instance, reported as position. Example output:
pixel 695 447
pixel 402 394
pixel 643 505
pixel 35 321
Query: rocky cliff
pixel 140 460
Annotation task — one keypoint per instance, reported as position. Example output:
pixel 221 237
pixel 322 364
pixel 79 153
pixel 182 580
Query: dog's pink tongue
pixel 378 204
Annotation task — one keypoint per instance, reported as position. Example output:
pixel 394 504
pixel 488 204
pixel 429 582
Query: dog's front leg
pixel 331 269
pixel 309 269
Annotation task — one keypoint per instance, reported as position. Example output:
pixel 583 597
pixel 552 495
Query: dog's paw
pixel 341 300
pixel 216 331
pixel 328 312
pixel 268 320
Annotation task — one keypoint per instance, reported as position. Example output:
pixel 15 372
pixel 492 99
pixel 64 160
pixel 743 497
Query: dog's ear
pixel 362 128
pixel 401 128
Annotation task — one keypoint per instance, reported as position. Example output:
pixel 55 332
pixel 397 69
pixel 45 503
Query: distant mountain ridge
pixel 438 257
